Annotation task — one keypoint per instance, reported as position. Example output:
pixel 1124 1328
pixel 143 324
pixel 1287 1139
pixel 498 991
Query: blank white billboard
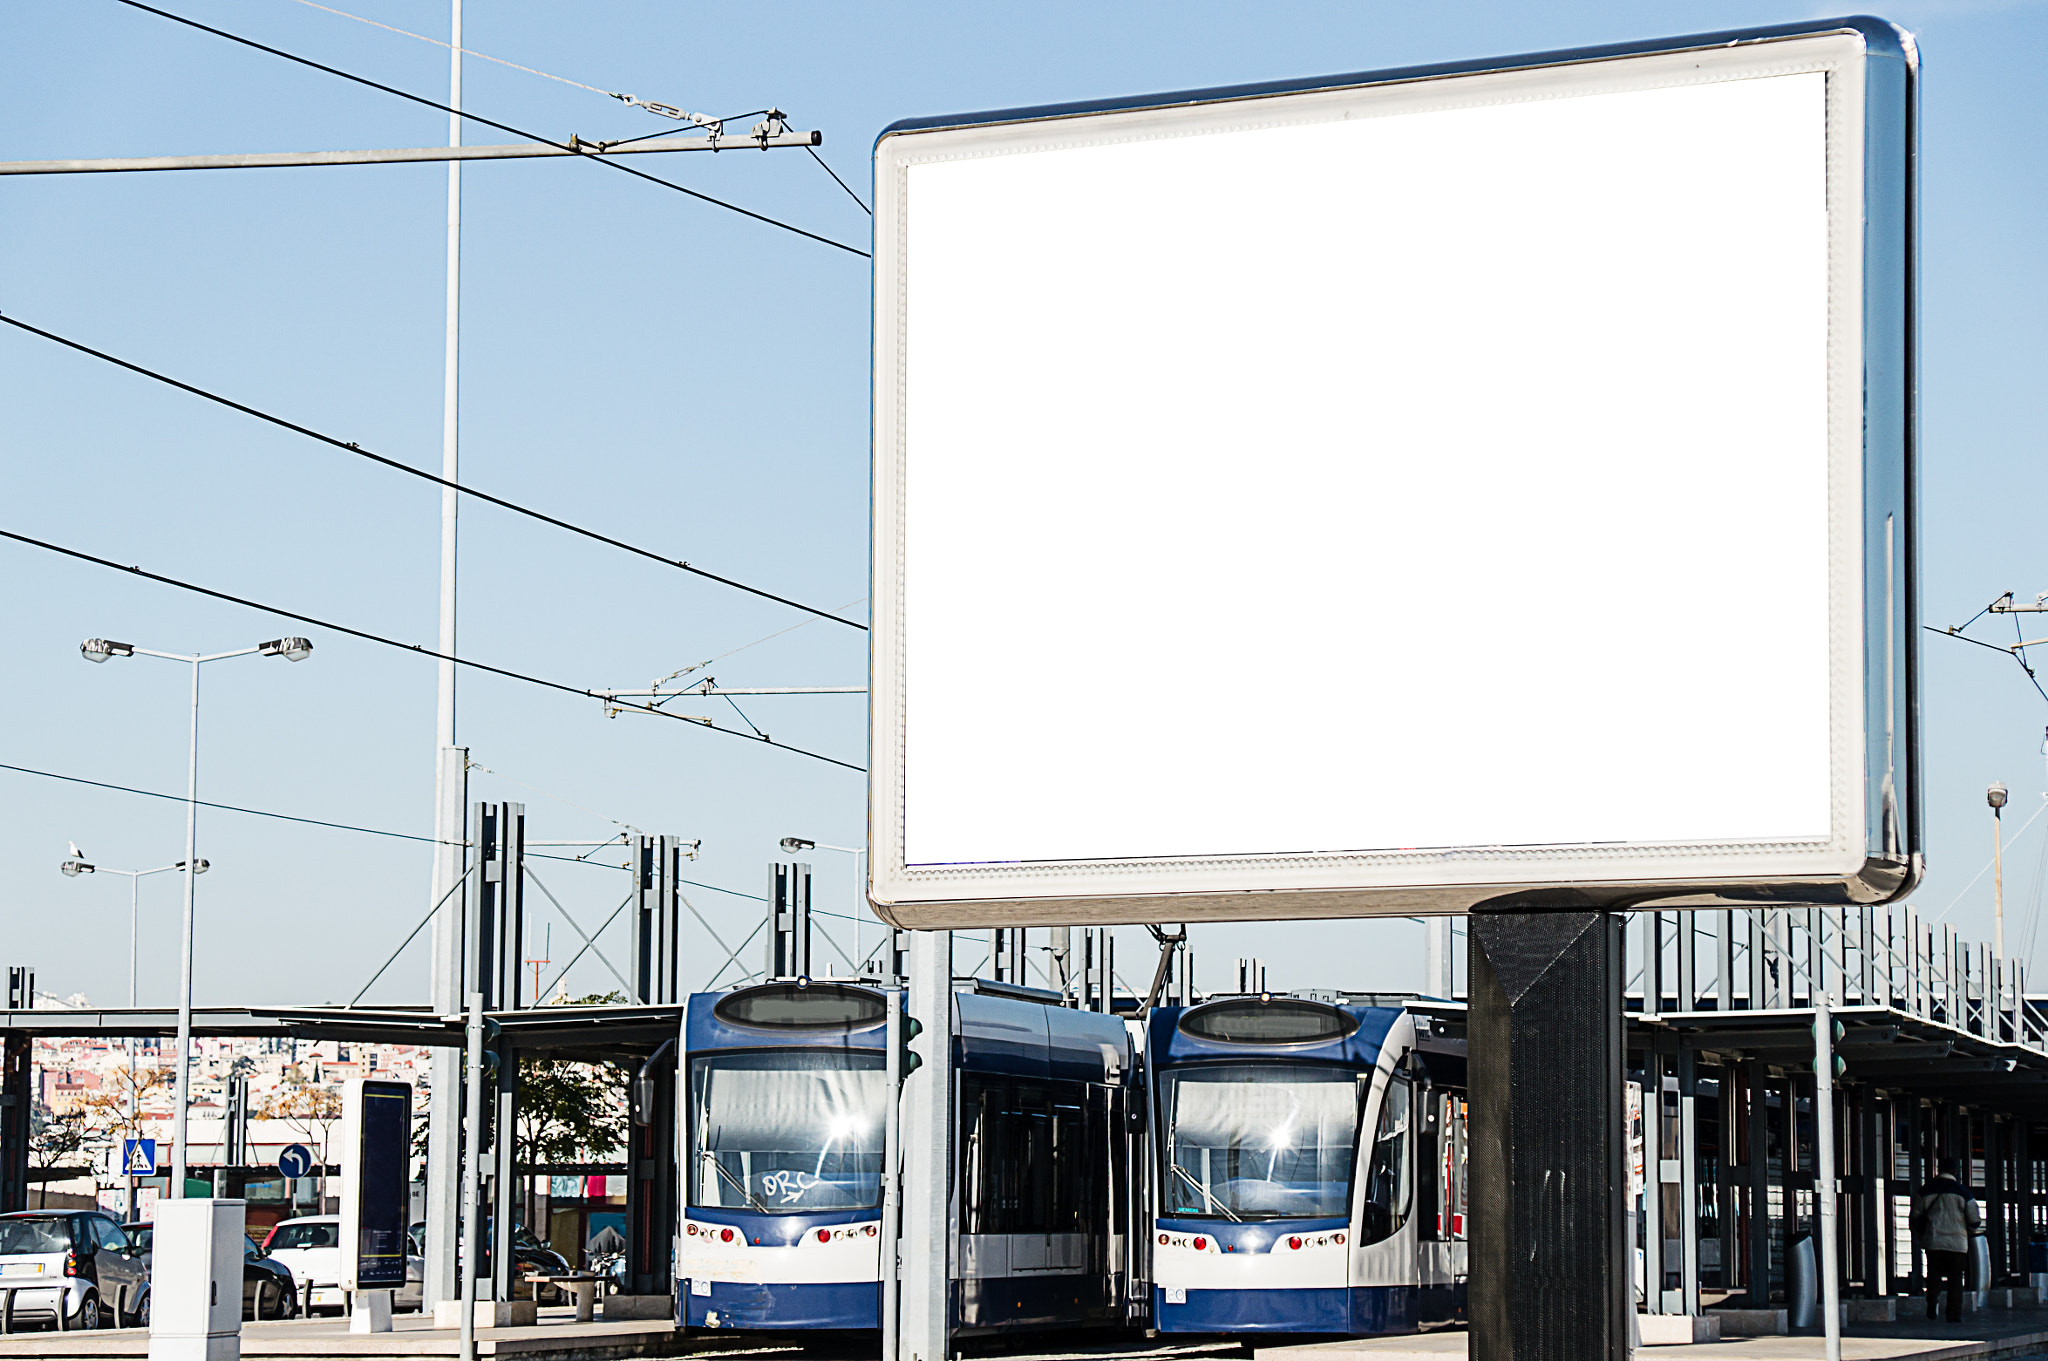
pixel 1380 498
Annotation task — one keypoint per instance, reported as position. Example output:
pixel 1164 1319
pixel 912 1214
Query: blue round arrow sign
pixel 295 1161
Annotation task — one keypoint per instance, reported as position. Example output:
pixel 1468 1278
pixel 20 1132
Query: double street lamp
pixel 78 865
pixel 99 650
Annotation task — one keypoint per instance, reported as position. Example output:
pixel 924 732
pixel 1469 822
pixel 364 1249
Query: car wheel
pixel 142 1314
pixel 89 1311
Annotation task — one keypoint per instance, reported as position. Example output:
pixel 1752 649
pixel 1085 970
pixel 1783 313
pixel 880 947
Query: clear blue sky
pixel 687 379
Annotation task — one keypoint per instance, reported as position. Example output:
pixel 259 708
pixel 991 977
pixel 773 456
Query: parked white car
pixel 311 1248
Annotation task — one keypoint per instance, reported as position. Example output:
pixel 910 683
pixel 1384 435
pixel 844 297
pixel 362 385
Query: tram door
pixel 1443 1247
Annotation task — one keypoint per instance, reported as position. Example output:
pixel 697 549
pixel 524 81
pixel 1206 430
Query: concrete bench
pixel 582 1287
pixel 1668 1330
pixel 1752 1322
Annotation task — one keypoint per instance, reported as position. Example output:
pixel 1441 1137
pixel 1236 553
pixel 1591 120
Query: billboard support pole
pixel 1549 1272
pixel 926 1136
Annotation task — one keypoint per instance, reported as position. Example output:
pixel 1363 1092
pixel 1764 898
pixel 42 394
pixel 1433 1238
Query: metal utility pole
pixel 1824 1188
pixel 926 1133
pixel 1436 957
pixel 451 768
pixel 1995 796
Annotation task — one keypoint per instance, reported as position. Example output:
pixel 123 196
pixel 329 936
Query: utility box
pixel 195 1284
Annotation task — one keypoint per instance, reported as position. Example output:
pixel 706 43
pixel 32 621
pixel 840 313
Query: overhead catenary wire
pixel 367 636
pixel 223 807
pixel 1961 637
pixel 421 473
pixel 858 202
pixel 636 102
pixel 589 153
pixel 332 826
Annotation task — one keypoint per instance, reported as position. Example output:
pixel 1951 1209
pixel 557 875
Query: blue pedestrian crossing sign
pixel 295 1161
pixel 138 1157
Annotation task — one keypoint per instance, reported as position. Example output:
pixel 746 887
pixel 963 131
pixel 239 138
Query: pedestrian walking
pixel 1945 1219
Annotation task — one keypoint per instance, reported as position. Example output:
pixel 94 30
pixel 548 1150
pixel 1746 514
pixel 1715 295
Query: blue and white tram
pixel 783 1150
pixel 1286 1192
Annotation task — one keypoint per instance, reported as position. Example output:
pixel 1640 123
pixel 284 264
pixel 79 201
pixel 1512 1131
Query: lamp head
pixel 99 649
pixel 792 844
pixel 198 866
pixel 1995 795
pixel 73 868
pixel 291 649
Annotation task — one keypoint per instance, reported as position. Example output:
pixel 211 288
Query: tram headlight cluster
pixel 1201 1242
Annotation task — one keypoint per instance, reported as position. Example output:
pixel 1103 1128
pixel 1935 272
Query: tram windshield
pixel 1260 1141
pixel 787 1131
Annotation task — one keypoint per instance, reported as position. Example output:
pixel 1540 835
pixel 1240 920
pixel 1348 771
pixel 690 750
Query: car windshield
pixel 306 1236
pixel 20 1237
pixel 139 1235
pixel 787 1131
pixel 1260 1141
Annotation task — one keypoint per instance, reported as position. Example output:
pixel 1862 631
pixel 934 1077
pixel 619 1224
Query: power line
pixel 822 166
pixel 588 153
pixel 224 807
pixel 465 51
pixel 423 474
pixel 663 110
pixel 1978 642
pixel 406 647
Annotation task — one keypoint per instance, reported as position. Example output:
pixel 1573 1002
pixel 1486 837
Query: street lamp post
pixel 78 865
pixel 791 845
pixel 1995 796
pixel 99 650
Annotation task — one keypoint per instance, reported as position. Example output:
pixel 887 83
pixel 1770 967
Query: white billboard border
pixel 1873 853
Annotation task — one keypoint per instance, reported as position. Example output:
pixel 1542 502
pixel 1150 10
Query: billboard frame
pixel 1885 840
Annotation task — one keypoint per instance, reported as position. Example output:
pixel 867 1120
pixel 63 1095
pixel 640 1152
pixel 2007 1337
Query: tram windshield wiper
pixel 735 1182
pixel 1207 1195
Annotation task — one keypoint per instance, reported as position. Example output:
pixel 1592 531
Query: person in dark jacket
pixel 1945 1219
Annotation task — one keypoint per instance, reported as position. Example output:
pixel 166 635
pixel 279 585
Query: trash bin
pixel 1802 1283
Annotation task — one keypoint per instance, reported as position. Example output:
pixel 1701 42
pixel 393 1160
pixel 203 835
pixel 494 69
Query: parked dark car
pixel 83 1267
pixel 530 1257
pixel 268 1291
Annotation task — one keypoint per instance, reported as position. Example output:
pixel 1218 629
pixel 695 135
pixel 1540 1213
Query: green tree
pixel 570 1112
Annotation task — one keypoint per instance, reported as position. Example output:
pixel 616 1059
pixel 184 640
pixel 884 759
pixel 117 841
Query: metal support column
pixel 1759 951
pixel 789 920
pixel 927 1155
pixel 502 1167
pixel 1724 960
pixel 651 1182
pixel 657 923
pixel 1688 1181
pixel 1758 1220
pixel 1436 957
pixel 1688 962
pixel 17 1098
pixel 493 938
pixel 1006 955
pixel 443 1168
pixel 1059 960
pixel 1650 1238
pixel 1653 963
pixel 1549 1272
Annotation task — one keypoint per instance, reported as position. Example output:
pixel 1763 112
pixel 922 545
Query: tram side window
pixel 1028 1162
pixel 1386 1178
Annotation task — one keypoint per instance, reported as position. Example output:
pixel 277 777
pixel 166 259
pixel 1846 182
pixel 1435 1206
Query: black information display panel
pixel 383 1155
